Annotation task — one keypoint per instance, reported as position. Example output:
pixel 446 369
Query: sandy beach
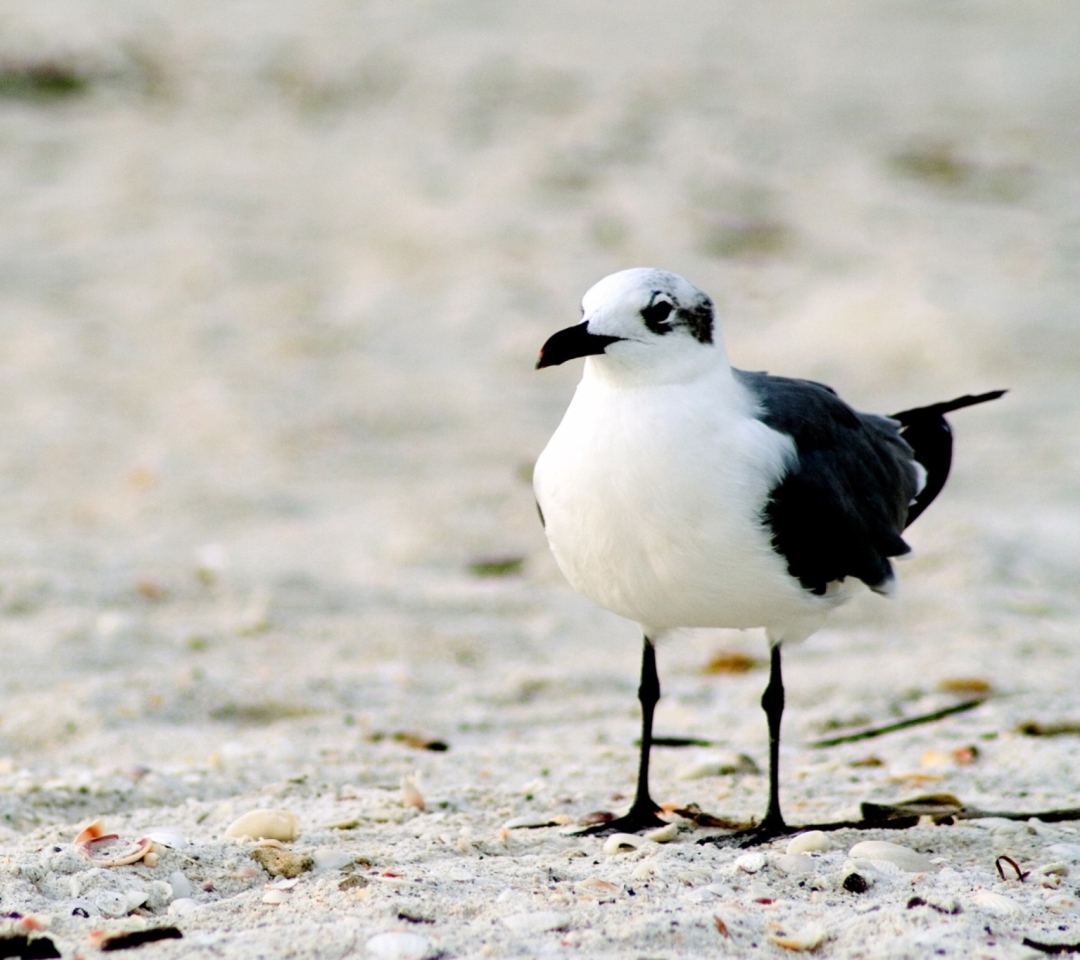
pixel 273 277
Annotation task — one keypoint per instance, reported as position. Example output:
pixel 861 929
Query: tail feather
pixel 927 433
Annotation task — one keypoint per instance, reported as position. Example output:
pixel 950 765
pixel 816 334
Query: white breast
pixel 652 499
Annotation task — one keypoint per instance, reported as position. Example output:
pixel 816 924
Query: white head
pixel 644 324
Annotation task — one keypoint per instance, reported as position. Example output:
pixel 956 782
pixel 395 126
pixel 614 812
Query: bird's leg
pixel 773 825
pixel 642 813
pixel 772 702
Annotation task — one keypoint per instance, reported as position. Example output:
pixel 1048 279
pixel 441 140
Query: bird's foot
pixel 638 818
pixel 769 829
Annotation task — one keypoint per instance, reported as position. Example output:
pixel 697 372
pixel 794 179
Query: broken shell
pixel 663 834
pixel 91 833
pixel 809 938
pixel 94 832
pixel 168 837
pixel 813 841
pixel 749 862
pixel 410 792
pixel 621 843
pixel 265 825
pixel 903 857
pixel 398 945
pixel 276 896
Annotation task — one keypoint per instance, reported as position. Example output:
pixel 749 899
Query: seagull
pixel 681 492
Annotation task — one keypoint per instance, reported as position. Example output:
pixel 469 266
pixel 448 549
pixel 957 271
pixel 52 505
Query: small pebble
pixel 813 841
pixel 903 857
pixel 282 825
pixel 621 843
pixel 282 863
pixel 855 883
pixel 540 921
pixel 398 945
pixel 749 862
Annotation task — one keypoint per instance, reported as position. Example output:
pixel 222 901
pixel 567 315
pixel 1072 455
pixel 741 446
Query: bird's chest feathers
pixel 655 493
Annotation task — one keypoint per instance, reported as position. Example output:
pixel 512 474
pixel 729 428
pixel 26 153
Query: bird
pixel 679 491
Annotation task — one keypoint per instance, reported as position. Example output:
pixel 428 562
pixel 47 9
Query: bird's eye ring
pixel 657 312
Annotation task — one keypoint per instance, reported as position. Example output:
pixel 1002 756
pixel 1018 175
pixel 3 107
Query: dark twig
pixel 1021 875
pixel 1051 947
pixel 900 724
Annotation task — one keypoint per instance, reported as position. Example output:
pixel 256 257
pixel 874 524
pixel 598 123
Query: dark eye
pixel 657 312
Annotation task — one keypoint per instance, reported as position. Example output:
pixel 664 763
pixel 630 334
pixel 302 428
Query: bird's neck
pixel 695 365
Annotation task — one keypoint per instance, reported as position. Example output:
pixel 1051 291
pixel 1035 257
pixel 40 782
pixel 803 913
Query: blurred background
pixel 273 277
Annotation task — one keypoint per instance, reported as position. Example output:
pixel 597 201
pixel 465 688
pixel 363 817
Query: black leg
pixel 773 825
pixel 772 702
pixel 642 814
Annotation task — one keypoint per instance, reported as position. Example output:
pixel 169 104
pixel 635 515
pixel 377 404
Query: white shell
pixel 813 841
pixel 903 857
pixel 793 863
pixel 997 904
pixel 663 834
pixel 539 922
pixel 181 885
pixel 331 858
pixel 276 896
pixel 621 843
pixel 749 862
pixel 410 791
pixel 182 907
pixel 168 837
pixel 398 945
pixel 111 903
pixel 810 937
pixel 718 765
pixel 281 825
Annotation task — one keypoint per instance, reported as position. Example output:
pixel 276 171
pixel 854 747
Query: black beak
pixel 573 342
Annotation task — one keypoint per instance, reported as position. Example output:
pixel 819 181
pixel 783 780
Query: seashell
pixel 749 862
pixel 134 855
pixel 621 843
pixel 168 837
pixel 181 885
pixel 111 904
pixel 265 824
pixel 398 945
pixel 540 921
pixel 810 937
pixel 182 907
pixel 718 765
pixel 410 792
pixel 813 841
pixel 91 833
pixel 276 896
pixel 329 858
pixel 151 859
pixel 596 889
pixel 663 834
pixel 286 883
pixel 793 863
pixel 997 904
pixel 903 857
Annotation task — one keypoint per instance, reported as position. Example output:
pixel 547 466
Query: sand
pixel 272 282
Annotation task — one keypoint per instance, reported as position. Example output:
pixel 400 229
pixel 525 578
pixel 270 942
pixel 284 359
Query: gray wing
pixel 840 509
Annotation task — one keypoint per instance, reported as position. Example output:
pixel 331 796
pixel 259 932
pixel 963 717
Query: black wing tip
pixel 906 417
